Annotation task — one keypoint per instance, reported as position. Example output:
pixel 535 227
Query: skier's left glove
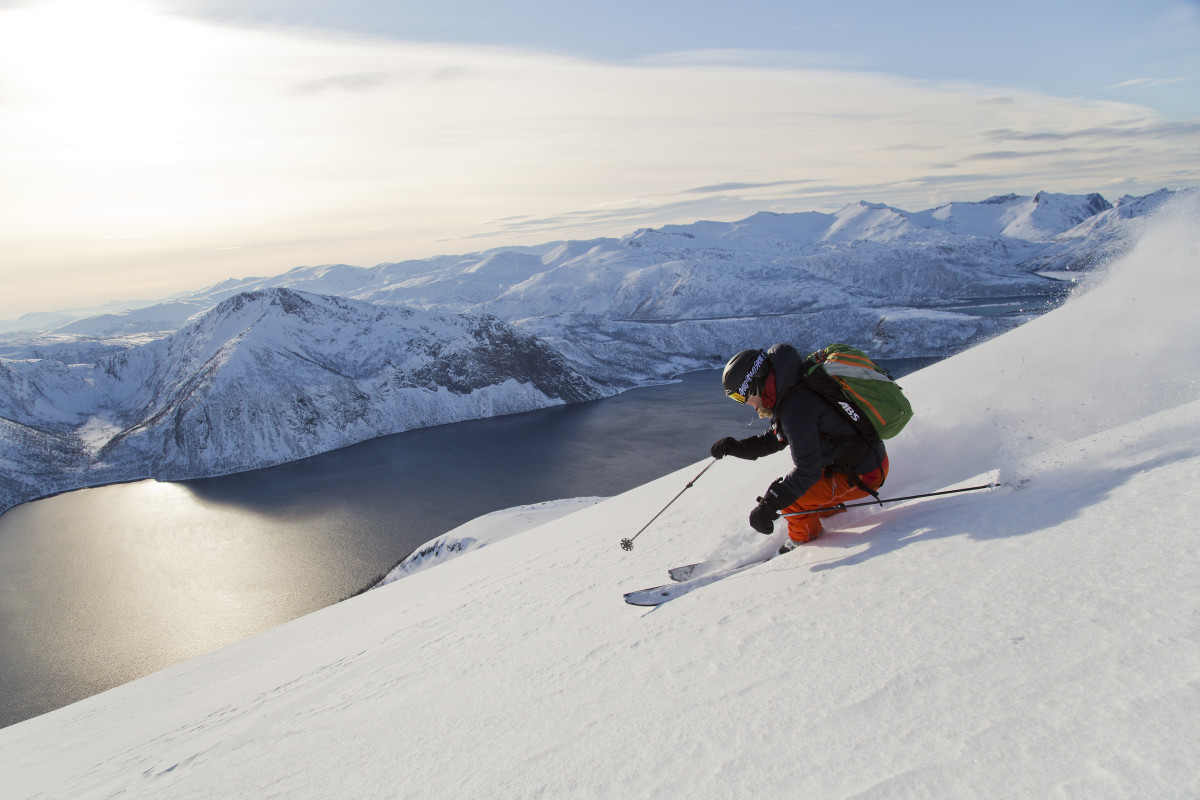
pixel 763 517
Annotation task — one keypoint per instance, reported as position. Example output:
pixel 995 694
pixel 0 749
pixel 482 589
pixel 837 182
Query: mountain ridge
pixel 1054 216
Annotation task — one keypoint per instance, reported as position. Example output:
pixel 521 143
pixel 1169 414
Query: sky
pixel 149 147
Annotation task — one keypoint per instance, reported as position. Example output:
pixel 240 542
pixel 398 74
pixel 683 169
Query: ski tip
pixel 650 597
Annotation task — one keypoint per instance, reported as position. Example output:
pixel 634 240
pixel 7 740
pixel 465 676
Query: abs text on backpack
pixel 860 388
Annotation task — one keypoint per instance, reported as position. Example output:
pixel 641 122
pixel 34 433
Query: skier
pixel 832 462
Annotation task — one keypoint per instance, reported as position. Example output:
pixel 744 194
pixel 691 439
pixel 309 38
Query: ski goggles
pixel 738 396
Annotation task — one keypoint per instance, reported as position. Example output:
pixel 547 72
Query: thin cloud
pixel 1139 129
pixel 1009 155
pixel 351 82
pixel 1144 83
pixel 732 186
pixel 781 59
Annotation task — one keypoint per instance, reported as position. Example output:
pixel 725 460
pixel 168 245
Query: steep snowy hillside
pixel 1034 641
pixel 263 378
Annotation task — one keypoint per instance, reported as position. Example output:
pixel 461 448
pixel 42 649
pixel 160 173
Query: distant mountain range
pixel 254 372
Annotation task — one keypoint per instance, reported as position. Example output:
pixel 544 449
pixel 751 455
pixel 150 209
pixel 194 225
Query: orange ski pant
pixel 830 490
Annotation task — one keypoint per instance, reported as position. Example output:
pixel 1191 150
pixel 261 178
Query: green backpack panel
pixel 863 390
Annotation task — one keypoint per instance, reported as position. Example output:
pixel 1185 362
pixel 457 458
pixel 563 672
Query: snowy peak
pixel 1010 216
pixel 271 308
pixel 1046 215
pixel 1105 235
pixel 358 340
pixel 873 222
pixel 858 221
pixel 1035 219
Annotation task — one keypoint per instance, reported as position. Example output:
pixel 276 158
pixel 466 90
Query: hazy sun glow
pixel 105 108
pixel 105 81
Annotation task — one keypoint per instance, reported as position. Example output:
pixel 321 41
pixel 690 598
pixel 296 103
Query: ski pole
pixel 627 544
pixel 844 506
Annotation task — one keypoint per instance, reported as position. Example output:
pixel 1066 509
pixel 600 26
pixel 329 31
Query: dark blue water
pixel 102 586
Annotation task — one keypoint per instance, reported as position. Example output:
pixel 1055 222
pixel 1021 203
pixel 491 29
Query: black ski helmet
pixel 745 374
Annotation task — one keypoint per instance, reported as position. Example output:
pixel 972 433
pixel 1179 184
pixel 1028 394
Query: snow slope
pixel 1040 640
pixel 481 532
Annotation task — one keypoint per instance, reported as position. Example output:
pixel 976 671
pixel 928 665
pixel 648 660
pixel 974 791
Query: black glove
pixel 728 446
pixel 763 517
pixel 774 496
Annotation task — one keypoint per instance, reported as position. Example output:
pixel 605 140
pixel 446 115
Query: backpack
pixel 861 389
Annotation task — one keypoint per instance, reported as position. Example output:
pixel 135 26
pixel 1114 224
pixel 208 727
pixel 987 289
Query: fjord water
pixel 101 586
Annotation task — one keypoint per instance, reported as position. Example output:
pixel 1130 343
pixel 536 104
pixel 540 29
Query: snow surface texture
pixel 1039 640
pixel 482 531
pixel 268 370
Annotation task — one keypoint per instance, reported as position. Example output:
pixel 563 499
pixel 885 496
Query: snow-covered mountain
pixel 1039 640
pixel 262 378
pixel 661 301
pixel 131 394
pixel 766 264
pixel 1102 237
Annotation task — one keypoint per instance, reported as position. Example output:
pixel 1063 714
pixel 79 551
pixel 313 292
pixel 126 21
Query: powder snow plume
pixel 1124 348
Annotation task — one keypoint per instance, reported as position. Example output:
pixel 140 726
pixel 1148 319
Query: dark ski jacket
pixel 820 436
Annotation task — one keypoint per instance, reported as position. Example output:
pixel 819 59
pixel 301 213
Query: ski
pixel 657 595
pixel 697 570
pixel 702 568
pixel 692 576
